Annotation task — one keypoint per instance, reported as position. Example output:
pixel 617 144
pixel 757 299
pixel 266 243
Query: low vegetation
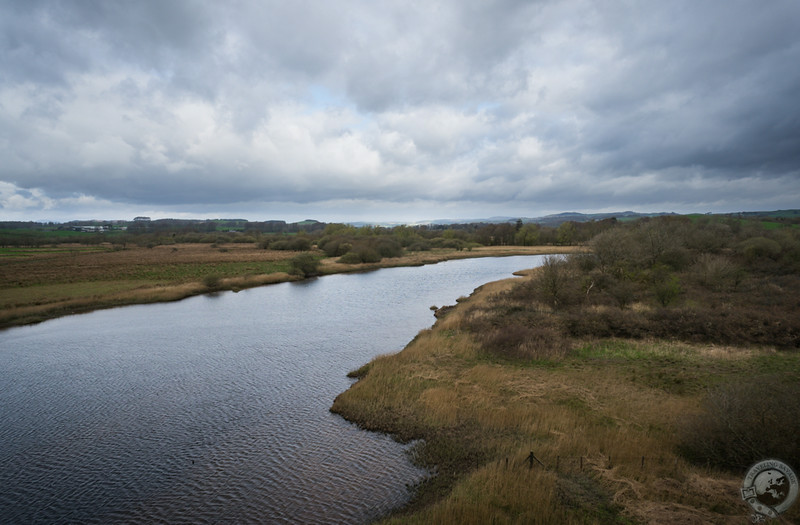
pixel 631 379
pixel 632 384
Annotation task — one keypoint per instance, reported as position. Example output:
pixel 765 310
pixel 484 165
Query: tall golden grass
pixel 606 436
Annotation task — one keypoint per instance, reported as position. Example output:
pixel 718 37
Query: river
pixel 215 408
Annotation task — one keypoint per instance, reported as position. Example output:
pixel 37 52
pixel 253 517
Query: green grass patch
pixel 52 293
pixel 681 369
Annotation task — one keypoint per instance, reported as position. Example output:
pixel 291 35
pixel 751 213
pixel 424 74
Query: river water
pixel 215 408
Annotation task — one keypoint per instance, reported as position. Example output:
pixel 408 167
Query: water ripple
pixel 214 409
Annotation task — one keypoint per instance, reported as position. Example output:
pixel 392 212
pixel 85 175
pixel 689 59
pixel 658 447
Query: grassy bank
pixel 604 421
pixel 46 282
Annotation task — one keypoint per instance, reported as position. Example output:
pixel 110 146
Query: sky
pixel 396 110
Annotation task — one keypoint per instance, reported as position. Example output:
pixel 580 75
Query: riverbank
pixel 591 437
pixel 37 284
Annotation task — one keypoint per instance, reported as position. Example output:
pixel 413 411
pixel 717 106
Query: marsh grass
pixel 605 405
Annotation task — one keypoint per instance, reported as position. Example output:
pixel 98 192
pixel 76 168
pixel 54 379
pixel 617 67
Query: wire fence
pixel 579 463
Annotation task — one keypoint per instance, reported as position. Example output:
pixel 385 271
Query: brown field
pixel 42 283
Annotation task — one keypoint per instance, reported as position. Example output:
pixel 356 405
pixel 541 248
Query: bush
pixel 389 248
pixel 667 290
pixel 623 292
pixel 711 238
pixel 617 251
pixel 556 285
pixel 456 244
pixel 368 254
pixel 745 422
pixel 212 281
pixel 517 341
pixel 335 247
pixel 350 258
pixel 715 272
pixel 759 248
pixel 676 258
pixel 297 244
pixel 304 265
pixel 419 246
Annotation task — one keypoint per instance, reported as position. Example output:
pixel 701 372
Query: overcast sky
pixel 348 110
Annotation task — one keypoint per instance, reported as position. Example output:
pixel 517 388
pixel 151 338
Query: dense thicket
pixel 701 281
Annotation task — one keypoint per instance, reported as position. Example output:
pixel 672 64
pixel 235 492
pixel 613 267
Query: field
pixel 603 425
pixel 50 281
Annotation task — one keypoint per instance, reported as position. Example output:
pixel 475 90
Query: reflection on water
pixel 215 408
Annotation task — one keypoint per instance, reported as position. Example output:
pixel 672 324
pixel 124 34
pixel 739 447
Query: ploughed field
pixel 41 283
pixel 165 264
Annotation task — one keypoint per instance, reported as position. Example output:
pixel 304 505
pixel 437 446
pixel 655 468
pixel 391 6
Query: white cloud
pixel 424 107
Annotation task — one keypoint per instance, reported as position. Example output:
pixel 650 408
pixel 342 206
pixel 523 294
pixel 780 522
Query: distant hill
pixel 550 220
pixel 279 226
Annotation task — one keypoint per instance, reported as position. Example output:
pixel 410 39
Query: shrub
pixel 555 285
pixel 667 290
pixel 711 238
pixel 279 245
pixel 389 248
pixel 212 281
pixel 745 422
pixel 606 323
pixel 335 247
pixel 419 246
pixel 301 244
pixel 715 272
pixel 758 248
pixel 456 244
pixel 368 254
pixel 304 265
pixel 517 341
pixel 676 258
pixel 617 251
pixel 586 262
pixel 350 258
pixel 623 292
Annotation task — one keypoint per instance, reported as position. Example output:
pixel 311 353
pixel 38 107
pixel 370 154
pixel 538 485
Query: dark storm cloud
pixel 500 107
pixel 715 91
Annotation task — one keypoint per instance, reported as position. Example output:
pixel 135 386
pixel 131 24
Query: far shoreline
pixel 39 311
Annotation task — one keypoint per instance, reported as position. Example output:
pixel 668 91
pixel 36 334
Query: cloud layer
pixel 357 110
